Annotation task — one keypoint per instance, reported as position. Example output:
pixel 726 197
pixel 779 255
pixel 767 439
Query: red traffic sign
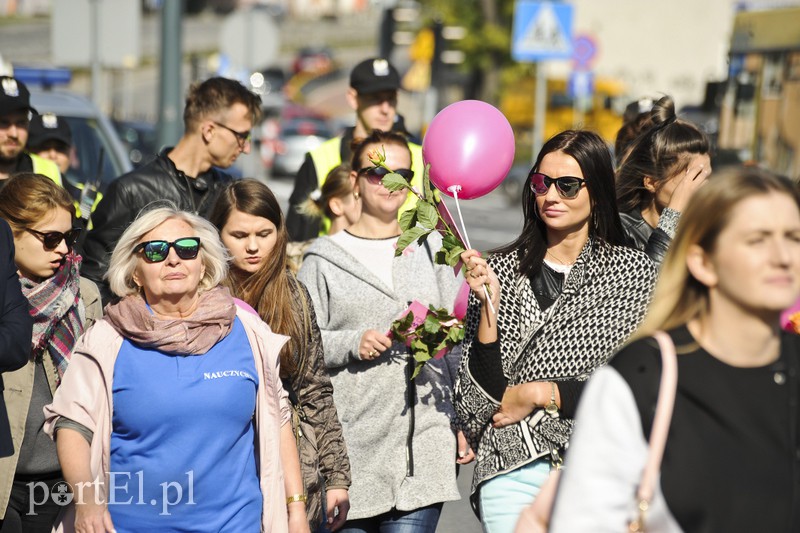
pixel 583 51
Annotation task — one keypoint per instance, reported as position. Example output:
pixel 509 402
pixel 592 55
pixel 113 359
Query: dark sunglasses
pixel 567 186
pixel 52 239
pixel 157 251
pixel 242 137
pixel 375 174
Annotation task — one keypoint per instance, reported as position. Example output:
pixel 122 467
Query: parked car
pixel 92 132
pixel 140 138
pixel 316 60
pixel 297 136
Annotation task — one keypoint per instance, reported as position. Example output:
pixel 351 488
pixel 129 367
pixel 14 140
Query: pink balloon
pixel 460 304
pixel 470 144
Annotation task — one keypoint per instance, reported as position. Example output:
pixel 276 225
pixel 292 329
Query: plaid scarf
pixel 57 316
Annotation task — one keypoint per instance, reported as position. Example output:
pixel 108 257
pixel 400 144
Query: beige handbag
pixel 536 517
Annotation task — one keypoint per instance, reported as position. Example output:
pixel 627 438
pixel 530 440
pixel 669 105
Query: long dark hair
pixel 659 152
pixel 272 290
pixel 594 157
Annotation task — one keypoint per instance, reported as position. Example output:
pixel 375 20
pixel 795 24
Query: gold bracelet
pixel 551 408
pixel 296 498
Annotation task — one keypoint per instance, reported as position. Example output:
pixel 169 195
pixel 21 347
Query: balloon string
pixel 454 189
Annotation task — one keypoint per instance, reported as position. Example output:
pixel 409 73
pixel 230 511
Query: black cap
pixel 374 75
pixel 14 96
pixel 48 127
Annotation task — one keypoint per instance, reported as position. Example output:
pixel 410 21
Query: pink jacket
pixel 85 397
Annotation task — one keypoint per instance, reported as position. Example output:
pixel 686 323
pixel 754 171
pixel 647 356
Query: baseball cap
pixel 14 96
pixel 374 75
pixel 47 127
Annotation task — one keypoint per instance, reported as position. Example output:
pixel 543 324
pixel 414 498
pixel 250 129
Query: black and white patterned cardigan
pixel 604 299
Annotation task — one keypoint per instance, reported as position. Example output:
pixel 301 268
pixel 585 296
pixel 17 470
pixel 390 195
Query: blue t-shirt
pixel 183 441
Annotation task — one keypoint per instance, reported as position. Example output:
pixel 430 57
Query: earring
pixel 356 195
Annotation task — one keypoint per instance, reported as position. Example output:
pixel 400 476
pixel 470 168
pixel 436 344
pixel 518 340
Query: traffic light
pixel 445 55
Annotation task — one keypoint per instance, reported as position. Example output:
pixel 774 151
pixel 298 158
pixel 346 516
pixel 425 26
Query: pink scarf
pixel 193 335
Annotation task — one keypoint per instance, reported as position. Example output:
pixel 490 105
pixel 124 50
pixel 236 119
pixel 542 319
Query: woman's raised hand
pixel 373 343
pixel 694 177
pixel 479 273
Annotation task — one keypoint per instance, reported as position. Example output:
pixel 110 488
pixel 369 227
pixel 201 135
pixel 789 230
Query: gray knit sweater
pixel 372 396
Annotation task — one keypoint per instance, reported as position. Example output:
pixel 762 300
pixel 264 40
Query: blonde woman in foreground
pixel 733 267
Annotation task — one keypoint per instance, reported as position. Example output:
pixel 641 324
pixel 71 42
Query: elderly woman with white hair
pixel 173 416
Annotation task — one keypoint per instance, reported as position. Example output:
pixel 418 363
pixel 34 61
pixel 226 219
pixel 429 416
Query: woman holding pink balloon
pixel 567 292
pixel 399 432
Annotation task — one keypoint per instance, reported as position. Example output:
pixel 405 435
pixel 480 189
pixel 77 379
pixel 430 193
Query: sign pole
pixel 584 50
pixel 540 112
pixel 577 106
pixel 170 105
pixel 95 53
pixel 541 31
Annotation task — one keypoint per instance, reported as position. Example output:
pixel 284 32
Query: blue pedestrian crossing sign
pixel 542 30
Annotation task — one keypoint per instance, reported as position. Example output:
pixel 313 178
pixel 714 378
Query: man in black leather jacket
pixel 218 117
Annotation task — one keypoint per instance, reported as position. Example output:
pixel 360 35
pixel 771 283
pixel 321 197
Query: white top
pixel 558 267
pixel 604 463
pixel 375 254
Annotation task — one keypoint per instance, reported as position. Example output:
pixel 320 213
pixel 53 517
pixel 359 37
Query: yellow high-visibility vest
pixel 45 167
pixel 48 168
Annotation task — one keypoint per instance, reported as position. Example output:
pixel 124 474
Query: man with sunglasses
pixel 15 119
pixel 218 117
pixel 373 96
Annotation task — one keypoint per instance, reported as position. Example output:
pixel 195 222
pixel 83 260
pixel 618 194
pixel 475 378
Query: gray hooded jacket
pixel 398 432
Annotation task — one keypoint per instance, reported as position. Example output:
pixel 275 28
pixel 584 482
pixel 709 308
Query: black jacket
pixel 653 242
pixel 158 180
pixel 15 328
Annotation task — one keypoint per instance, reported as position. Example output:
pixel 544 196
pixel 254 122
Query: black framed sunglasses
pixel 567 186
pixel 242 137
pixel 52 239
pixel 375 174
pixel 157 251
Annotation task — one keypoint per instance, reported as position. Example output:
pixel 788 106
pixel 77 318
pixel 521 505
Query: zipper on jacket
pixel 411 397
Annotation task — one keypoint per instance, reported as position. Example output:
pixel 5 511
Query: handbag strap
pixel 662 419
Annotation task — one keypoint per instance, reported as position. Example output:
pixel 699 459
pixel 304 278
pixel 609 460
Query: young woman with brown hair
pixel 63 305
pixel 251 226
pixel 658 175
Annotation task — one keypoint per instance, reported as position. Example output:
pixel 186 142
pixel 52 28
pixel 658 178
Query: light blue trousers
pixel 503 498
